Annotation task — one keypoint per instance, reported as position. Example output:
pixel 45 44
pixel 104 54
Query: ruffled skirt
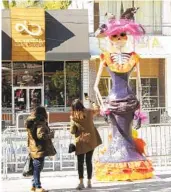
pixel 124 158
pixel 135 170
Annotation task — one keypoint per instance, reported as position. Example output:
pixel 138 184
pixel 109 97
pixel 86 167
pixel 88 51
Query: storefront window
pixel 27 74
pixel 132 83
pixel 62 84
pixel 54 84
pixel 73 82
pixel 6 85
pixel 149 92
pixel 104 86
pixel 26 98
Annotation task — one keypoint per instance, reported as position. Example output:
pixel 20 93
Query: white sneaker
pixel 89 186
pixel 80 186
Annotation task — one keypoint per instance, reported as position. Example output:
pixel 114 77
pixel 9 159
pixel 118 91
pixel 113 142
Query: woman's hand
pixel 52 134
pixel 28 149
pixel 96 108
pixel 104 111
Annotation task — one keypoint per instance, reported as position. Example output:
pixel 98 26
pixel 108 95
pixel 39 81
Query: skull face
pixel 119 40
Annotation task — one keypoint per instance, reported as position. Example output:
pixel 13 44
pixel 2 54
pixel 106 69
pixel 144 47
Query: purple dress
pixel 122 147
pixel 121 161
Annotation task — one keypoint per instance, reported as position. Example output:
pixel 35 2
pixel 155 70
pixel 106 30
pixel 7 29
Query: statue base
pixel 136 170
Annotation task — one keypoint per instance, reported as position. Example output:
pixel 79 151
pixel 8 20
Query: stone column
pixel 168 84
pixel 92 77
pixel 85 80
pixel 166 17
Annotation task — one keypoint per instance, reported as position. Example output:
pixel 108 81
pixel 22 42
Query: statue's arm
pixel 96 89
pixel 139 81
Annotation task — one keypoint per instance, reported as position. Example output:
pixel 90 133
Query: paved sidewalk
pixel 66 181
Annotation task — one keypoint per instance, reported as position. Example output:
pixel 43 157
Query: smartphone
pixel 86 96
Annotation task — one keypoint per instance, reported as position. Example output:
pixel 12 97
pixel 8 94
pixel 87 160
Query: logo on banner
pixel 25 27
pixel 156 43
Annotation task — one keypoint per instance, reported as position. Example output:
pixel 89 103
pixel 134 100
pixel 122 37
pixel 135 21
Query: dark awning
pixel 67 36
pixel 6 35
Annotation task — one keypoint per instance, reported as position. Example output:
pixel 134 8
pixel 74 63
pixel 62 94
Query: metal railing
pixel 164 114
pixel 14 149
pixel 7 119
pixel 158 140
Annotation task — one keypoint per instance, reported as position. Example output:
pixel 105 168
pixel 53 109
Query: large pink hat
pixel 125 24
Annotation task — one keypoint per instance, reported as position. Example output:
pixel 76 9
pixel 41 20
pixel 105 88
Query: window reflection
pixel 20 99
pixel 35 96
pixel 6 85
pixel 27 74
pixel 54 84
pixel 132 84
pixel 73 82
pixel 104 86
pixel 62 84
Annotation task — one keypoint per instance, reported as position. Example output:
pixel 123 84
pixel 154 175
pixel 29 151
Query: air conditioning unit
pixel 154 117
pixel 21 118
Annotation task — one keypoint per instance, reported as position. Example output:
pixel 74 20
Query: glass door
pixel 19 99
pixel 27 87
pixel 24 99
pixel 35 97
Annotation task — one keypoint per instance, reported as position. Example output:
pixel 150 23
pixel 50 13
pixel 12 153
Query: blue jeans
pixel 38 165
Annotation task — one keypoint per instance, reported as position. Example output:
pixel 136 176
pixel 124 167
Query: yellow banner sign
pixel 28 34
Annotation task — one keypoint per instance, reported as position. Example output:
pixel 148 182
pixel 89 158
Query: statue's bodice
pixel 120 85
pixel 119 67
pixel 120 62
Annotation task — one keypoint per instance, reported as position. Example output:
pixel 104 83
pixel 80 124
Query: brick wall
pixel 59 117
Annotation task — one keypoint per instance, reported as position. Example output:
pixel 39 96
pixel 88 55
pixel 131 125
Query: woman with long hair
pixel 87 138
pixel 39 144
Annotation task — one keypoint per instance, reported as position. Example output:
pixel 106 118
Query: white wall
pixel 92 78
pixel 85 4
pixel 166 17
pixel 85 79
pixel 168 84
pixel 166 20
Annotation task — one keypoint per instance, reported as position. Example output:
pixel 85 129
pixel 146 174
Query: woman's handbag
pixel 72 148
pixel 28 167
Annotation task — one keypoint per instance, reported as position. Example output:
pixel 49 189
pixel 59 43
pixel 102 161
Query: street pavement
pixel 66 181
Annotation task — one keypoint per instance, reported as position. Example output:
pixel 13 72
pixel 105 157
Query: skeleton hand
pixel 96 89
pixel 98 97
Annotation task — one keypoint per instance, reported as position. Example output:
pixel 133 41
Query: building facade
pixel 56 65
pixel 44 58
pixel 154 49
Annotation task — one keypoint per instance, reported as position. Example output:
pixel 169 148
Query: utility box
pixel 3 126
pixel 154 117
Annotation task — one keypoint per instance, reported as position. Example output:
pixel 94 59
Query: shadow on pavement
pixel 164 176
pixel 161 186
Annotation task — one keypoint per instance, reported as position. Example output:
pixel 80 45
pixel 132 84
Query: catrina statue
pixel 124 158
